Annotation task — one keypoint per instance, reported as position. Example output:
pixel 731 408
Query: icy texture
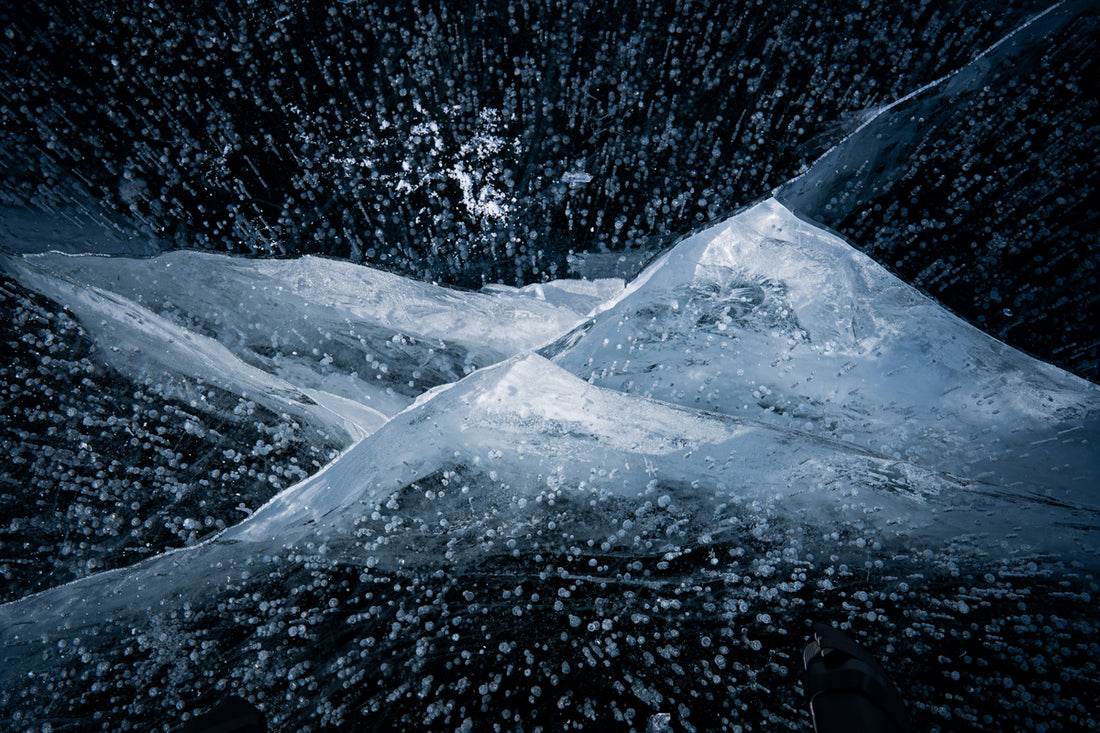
pixel 766 316
pixel 545 541
pixel 74 230
pixel 515 436
pixel 531 427
pixel 523 543
pixel 579 537
pixel 101 470
pixel 519 431
pixel 879 151
pixel 401 133
pixel 582 296
pixel 327 325
pixel 977 188
pixel 142 345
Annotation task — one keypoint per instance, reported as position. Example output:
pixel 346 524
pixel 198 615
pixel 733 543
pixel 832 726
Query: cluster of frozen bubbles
pixel 449 609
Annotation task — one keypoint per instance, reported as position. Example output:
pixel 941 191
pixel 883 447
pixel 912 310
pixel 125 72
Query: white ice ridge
pixel 770 317
pixel 524 430
pixel 321 291
pixel 142 345
pixel 534 426
pixel 581 296
pixel 364 334
pixel 874 154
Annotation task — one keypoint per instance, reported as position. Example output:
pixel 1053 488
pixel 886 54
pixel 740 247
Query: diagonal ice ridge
pixel 361 333
pixel 767 316
pixel 525 432
pixel 145 346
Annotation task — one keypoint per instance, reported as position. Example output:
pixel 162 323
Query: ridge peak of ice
pixel 770 317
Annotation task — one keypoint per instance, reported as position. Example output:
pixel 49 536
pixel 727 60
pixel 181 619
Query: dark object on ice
pixel 847 690
pixel 231 715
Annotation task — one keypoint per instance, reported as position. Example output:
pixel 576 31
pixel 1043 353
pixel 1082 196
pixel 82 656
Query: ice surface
pixel 762 428
pixel 765 428
pixel 80 229
pixel 523 509
pixel 581 296
pixel 523 434
pixel 878 153
pixel 973 189
pixel 769 317
pixel 532 427
pixel 360 333
pixel 142 345
pixel 102 469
